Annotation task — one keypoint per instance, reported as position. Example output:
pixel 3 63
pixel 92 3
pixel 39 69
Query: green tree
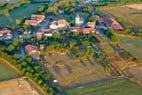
pixel 28 59
pixel 56 35
pixel 15 42
pixel 18 21
pixel 75 34
pixel 41 8
pixel 85 43
pixel 16 56
pixel 115 39
pixel 10 48
pixel 72 44
pixel 94 18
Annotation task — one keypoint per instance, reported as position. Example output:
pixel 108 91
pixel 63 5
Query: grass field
pixel 114 87
pixel 69 71
pixel 24 11
pixel 6 72
pixel 133 45
pixel 129 15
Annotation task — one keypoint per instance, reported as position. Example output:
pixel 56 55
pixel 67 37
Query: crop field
pixel 110 87
pixel 132 45
pixel 70 72
pixel 131 16
pixel 6 72
pixel 18 13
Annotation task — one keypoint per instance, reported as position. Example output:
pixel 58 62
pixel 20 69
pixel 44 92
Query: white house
pixel 61 23
pixel 53 25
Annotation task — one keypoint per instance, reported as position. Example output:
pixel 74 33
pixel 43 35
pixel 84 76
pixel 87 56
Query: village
pixel 60 49
pixel 56 26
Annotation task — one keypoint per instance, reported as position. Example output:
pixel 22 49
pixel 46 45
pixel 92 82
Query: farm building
pixel 35 20
pixel 110 22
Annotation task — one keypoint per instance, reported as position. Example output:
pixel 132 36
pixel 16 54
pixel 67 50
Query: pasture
pixel 133 45
pixel 110 87
pixel 69 71
pixel 7 72
pixel 131 16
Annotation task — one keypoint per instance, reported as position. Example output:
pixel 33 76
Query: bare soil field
pixel 17 86
pixel 135 72
pixel 70 72
pixel 134 6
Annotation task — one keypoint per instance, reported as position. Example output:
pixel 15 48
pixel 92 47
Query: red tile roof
pixel 45 30
pixel 31 22
pixel 37 17
pixel 39 34
pixel 35 20
pixel 4 31
pixel 78 29
pixel 62 21
pixel 31 49
pixel 87 30
pixel 110 22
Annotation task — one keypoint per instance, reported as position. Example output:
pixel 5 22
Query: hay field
pixel 131 16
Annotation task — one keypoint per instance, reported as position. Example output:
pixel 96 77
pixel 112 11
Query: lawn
pixel 129 15
pixel 24 11
pixel 7 72
pixel 133 45
pixel 114 87
pixel 70 72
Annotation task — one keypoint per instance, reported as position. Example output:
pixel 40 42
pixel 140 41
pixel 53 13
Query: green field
pixel 24 11
pixel 130 16
pixel 7 72
pixel 114 87
pixel 133 45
